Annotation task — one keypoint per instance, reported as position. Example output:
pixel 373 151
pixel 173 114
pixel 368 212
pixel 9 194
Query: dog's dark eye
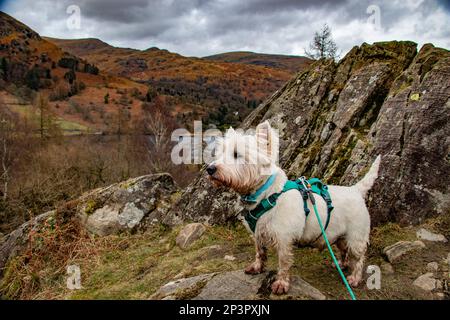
pixel 236 155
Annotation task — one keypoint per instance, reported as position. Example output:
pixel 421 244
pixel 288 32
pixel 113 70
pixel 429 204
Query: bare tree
pixel 5 141
pixel 14 141
pixel 323 45
pixel 47 120
pixel 157 124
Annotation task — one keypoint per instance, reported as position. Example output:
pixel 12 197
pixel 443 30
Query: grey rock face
pixel 424 234
pixel 233 285
pixel 189 234
pixel 335 118
pixel 129 205
pixel 397 250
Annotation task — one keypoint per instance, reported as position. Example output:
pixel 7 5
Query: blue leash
pixel 311 197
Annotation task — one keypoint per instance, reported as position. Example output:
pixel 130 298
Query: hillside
pixel 75 87
pixel 228 91
pixel 287 63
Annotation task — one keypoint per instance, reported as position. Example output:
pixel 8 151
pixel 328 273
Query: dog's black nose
pixel 211 169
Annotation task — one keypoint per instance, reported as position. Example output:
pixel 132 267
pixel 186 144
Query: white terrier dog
pixel 246 163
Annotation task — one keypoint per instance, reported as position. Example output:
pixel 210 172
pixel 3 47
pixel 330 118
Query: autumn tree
pixel 323 45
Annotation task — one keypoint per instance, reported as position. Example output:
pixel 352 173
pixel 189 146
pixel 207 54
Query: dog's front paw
pixel 280 286
pixel 353 280
pixel 254 268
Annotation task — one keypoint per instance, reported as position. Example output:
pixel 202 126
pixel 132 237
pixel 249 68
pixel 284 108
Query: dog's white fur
pixel 286 224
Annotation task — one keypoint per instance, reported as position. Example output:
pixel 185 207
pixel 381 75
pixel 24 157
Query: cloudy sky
pixel 204 27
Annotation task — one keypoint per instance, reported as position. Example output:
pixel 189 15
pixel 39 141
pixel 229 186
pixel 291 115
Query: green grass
pixel 134 266
pixel 68 127
pixel 153 259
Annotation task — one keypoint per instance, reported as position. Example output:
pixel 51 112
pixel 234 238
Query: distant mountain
pixel 223 92
pixel 287 63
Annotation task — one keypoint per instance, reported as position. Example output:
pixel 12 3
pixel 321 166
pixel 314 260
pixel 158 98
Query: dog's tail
pixel 367 182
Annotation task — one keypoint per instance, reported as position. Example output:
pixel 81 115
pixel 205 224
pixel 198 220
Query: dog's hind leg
pixel 285 260
pixel 356 257
pixel 257 266
pixel 343 250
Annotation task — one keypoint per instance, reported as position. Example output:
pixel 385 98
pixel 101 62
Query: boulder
pixel 397 250
pixel 134 204
pixel 424 234
pixel 234 285
pixel 126 206
pixel 189 234
pixel 335 118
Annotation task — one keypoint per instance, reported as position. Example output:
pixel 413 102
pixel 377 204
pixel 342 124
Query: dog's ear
pixel 229 132
pixel 265 137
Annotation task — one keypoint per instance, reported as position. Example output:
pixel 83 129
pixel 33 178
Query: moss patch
pixel 91 206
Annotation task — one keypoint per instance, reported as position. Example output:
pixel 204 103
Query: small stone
pixel 424 234
pixel 426 282
pixel 387 268
pixel 395 251
pixel 213 251
pixel 432 266
pixel 440 295
pixel 189 234
pixel 229 258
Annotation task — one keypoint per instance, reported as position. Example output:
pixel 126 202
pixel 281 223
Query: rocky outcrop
pixel 334 119
pixel 234 285
pixel 129 205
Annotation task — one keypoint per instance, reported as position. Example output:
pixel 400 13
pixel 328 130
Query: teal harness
pixel 268 203
pixel 306 188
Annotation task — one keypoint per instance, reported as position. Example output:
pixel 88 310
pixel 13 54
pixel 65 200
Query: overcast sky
pixel 204 27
